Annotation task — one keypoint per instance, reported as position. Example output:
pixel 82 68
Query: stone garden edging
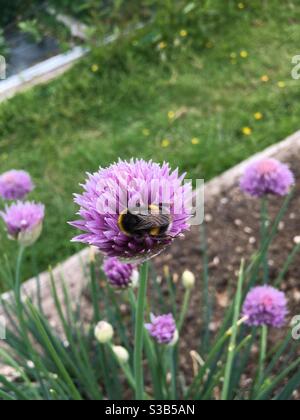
pixel 40 73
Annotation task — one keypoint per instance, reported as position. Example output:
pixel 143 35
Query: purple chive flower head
pixel 115 191
pixel 15 185
pixel 119 275
pixel 24 221
pixel 265 305
pixel 163 329
pixel 267 176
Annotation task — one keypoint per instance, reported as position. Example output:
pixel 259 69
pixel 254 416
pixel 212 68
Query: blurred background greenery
pixel 202 84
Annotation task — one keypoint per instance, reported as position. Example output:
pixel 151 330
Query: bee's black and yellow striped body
pixel 143 222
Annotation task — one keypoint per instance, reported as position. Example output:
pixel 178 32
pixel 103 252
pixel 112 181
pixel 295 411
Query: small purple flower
pixel 267 176
pixel 15 185
pixel 115 191
pixel 265 305
pixel 119 275
pixel 163 329
pixel 24 221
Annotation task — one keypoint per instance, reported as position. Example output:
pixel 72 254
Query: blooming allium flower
pixel 15 185
pixel 163 329
pixel 265 305
pixel 114 191
pixel 24 221
pixel 267 176
pixel 119 274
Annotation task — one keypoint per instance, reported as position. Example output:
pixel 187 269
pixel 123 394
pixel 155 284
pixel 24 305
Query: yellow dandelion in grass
pixel 146 132
pixel 265 78
pixel 195 141
pixel 162 45
pixel 244 54
pixel 95 68
pixel 241 6
pixel 165 143
pixel 183 33
pixel 258 116
pixel 247 131
pixel 171 115
pixel 281 85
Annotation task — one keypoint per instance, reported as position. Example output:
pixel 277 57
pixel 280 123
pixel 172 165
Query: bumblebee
pixel 144 221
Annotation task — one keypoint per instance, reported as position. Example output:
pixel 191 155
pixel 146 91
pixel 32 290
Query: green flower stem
pixel 184 309
pixel 18 274
pixel 94 291
pixel 172 292
pixel 217 379
pixel 150 353
pixel 139 332
pixel 254 267
pixel 174 350
pixel 21 319
pixel 263 353
pixel 207 303
pixel 125 368
pixel 234 335
pixel 173 354
pixel 213 354
pixel 264 235
pixel 18 297
pixel 265 391
pixel 287 265
pixel 53 353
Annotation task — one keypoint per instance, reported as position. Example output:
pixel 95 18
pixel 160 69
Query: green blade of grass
pixel 207 305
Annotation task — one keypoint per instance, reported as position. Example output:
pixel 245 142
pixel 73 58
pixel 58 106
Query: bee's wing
pixel 152 221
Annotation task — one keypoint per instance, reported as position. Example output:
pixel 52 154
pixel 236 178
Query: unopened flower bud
pixel 135 279
pixel 188 280
pixel 121 354
pixel 104 332
pixel 28 237
pixel 175 339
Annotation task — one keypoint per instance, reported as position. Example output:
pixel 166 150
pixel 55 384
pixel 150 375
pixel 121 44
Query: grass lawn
pixel 89 118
